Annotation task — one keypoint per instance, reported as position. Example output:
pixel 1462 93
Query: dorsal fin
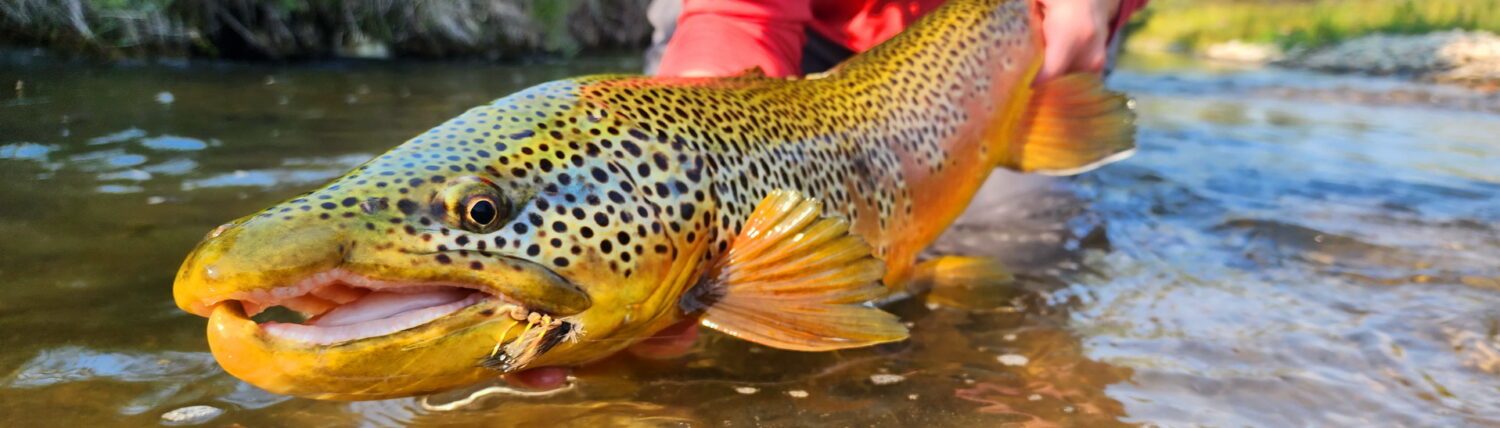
pixel 796 280
pixel 755 71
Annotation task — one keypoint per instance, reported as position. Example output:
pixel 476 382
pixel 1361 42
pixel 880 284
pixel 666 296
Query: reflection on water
pixel 1267 259
pixel 1327 270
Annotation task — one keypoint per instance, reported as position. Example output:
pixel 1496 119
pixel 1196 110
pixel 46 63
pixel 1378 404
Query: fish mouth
pixel 363 338
pixel 340 306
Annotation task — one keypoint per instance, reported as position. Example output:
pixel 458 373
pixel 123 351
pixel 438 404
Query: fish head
pixel 509 237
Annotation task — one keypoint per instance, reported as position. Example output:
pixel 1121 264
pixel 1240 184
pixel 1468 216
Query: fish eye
pixel 476 205
pixel 482 211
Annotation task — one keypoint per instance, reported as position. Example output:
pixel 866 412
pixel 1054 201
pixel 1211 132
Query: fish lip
pixel 272 296
pixel 495 295
pixel 314 335
pixel 559 289
pixel 375 367
pixel 205 306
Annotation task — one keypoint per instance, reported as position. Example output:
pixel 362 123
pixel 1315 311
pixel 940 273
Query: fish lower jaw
pixel 342 306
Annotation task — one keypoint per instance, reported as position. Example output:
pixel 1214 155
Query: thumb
pixel 1074 36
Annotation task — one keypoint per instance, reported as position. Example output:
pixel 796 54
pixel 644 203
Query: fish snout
pixel 252 254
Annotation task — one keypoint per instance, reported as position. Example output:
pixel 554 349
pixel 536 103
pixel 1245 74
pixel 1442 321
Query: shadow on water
pixel 1265 260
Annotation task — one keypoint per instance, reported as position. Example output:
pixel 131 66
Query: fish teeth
pixel 339 293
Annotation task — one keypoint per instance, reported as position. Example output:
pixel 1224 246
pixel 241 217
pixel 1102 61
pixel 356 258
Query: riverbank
pixel 1447 41
pixel 1468 58
pixel 1432 40
pixel 316 29
pixel 1194 25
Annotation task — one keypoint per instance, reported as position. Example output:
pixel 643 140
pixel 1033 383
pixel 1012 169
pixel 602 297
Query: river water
pixel 1285 249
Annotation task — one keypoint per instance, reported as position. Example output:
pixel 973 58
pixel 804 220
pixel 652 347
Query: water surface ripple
pixel 1269 258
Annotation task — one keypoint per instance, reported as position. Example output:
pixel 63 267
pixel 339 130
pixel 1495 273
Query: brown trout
pixel 565 222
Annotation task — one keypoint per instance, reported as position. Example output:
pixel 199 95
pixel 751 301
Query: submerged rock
pixel 191 415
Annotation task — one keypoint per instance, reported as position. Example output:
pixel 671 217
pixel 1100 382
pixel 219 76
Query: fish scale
pixel 620 197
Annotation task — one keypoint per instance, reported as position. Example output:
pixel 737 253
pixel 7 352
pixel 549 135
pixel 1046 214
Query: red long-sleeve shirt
pixel 728 36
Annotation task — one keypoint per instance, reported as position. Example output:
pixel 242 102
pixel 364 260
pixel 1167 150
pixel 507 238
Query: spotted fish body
pixel 897 140
pixel 617 196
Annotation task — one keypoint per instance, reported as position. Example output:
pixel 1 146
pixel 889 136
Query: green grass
pixel 1306 23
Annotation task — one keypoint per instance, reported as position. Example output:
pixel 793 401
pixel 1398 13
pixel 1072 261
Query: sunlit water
pixel 1270 257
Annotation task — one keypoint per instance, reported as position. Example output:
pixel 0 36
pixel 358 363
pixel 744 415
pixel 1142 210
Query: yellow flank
pixel 608 199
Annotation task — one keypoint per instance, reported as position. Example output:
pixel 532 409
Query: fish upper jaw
pixel 343 306
pixel 313 268
pixel 354 301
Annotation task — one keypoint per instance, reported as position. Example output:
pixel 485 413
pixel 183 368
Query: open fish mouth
pixel 340 306
pixel 364 337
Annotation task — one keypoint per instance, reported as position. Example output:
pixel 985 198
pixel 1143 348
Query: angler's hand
pixel 668 343
pixel 1077 34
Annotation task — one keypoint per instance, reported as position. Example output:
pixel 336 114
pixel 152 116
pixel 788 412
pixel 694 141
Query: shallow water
pixel 1272 256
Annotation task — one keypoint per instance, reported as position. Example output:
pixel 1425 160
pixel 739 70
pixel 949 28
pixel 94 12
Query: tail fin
pixel 1072 125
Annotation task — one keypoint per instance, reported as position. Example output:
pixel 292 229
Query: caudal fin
pixel 1072 125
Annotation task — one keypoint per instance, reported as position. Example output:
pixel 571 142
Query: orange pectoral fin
pixel 1072 125
pixel 795 280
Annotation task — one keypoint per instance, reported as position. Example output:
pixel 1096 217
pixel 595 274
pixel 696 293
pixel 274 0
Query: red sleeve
pixel 1122 15
pixel 723 37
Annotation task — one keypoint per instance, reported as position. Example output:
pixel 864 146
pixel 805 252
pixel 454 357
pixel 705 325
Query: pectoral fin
pixel 964 282
pixel 795 280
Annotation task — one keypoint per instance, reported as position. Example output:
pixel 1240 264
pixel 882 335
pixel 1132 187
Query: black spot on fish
pixel 407 206
pixel 630 146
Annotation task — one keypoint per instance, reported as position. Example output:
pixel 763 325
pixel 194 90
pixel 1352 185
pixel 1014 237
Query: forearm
pixel 723 37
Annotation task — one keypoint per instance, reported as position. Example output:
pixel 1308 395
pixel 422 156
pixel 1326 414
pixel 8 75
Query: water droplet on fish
pixel 747 390
pixel 220 230
pixel 797 393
